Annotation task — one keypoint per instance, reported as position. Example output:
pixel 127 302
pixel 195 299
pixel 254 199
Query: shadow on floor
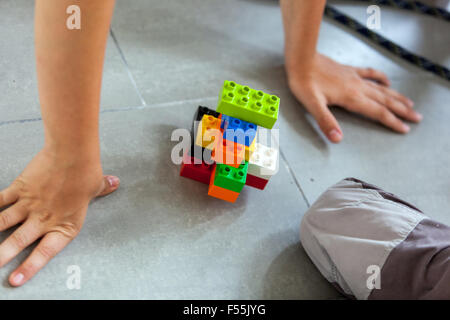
pixel 292 275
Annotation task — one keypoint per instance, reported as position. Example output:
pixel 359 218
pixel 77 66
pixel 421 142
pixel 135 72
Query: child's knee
pixel 372 245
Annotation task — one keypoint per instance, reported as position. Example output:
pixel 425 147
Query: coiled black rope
pixel 399 51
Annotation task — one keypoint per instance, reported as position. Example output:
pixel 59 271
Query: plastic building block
pixel 229 177
pixel 256 182
pixel 249 150
pixel 223 194
pixel 219 192
pixel 227 152
pixel 248 104
pixel 200 154
pixel 238 130
pixel 201 111
pixel 197 151
pixel 199 172
pixel 208 132
pixel 263 162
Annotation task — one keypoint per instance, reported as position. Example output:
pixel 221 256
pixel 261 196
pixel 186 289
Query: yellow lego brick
pixel 249 150
pixel 208 131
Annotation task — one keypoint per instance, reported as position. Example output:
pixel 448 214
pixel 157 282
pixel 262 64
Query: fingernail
pixel 113 182
pixel 335 135
pixel 418 116
pixel 406 128
pixel 17 279
pixel 410 103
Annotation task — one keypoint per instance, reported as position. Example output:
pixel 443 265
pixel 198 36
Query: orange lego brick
pixel 228 152
pixel 219 192
pixel 222 193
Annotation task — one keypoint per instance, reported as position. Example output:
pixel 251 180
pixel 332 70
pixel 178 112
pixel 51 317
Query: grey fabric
pixel 419 267
pixel 351 229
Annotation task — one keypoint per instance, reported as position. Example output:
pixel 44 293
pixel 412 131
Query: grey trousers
pixel 372 245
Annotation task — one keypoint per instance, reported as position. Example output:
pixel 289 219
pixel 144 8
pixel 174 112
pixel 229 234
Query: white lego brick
pixel 264 162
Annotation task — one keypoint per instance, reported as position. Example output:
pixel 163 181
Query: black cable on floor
pixel 392 47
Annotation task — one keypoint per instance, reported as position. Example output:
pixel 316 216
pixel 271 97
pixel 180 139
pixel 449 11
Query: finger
pixel 369 73
pixel 388 91
pixel 12 216
pixel 8 196
pixel 110 184
pixel 325 119
pixel 50 245
pixel 378 112
pixel 393 104
pixel 21 238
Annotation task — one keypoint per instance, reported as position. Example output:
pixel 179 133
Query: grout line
pixel 291 172
pixel 130 108
pixel 130 75
pixel 3 123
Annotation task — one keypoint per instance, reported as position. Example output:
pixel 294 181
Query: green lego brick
pixel 247 104
pixel 231 178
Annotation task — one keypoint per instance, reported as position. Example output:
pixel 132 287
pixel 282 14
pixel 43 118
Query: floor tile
pixel 177 54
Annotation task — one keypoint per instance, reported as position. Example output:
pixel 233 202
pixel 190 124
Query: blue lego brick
pixel 238 131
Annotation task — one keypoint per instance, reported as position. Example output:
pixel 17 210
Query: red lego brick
pixel 198 172
pixel 256 182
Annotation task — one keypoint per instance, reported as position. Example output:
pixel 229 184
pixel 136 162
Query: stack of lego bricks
pixel 225 152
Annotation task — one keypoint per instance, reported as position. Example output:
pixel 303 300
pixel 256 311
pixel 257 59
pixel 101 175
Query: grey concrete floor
pixel 161 236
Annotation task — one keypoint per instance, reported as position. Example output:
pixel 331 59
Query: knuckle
pixel 19 239
pixel 397 106
pixel 18 184
pixel 44 216
pixel 46 251
pixel 383 114
pixel 5 219
pixel 388 101
pixel 370 71
pixel 352 93
pixel 323 120
pixel 28 268
pixel 69 229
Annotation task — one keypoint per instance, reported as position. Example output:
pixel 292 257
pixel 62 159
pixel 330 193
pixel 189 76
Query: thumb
pixel 325 119
pixel 110 184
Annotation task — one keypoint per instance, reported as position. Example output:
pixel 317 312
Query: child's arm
pixel 52 194
pixel 318 81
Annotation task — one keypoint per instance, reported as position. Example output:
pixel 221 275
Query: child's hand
pixel 327 82
pixel 50 198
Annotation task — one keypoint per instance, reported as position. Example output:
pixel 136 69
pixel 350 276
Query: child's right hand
pixel 361 90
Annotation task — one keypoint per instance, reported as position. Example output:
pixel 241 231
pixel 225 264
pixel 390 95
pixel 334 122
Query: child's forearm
pixel 69 69
pixel 301 19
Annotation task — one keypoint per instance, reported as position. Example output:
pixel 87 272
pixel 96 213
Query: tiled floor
pixel 161 236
